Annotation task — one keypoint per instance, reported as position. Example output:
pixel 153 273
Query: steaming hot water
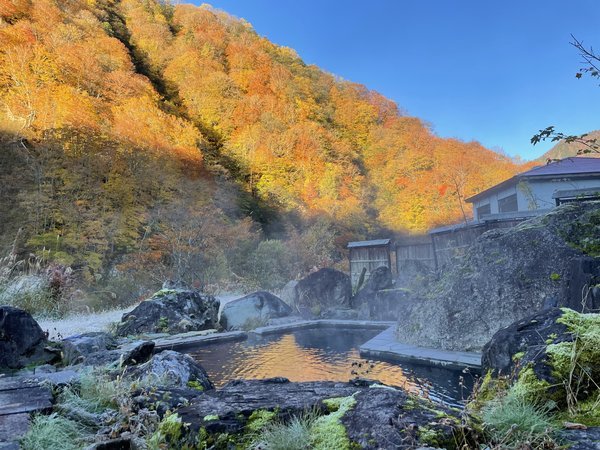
pixel 325 355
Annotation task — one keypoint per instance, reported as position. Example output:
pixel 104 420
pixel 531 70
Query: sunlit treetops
pixel 146 91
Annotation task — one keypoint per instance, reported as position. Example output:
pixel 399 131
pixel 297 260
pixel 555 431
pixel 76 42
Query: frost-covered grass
pixel 81 323
pixel 101 321
pixel 54 431
pixel 294 435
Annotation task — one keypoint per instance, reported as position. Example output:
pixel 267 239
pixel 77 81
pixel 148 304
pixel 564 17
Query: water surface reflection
pixel 324 354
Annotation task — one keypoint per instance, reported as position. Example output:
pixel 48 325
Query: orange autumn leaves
pixel 184 81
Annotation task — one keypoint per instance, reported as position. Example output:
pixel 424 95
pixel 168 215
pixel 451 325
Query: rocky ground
pixel 125 396
pixel 506 275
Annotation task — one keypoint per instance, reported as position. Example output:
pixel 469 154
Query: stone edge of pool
pixel 383 346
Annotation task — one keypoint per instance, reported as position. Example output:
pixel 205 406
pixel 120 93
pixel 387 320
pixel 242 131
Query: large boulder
pixel 379 279
pixel 253 310
pixel 506 275
pixel 322 290
pixel 128 354
pixel 171 311
pixel 22 341
pixel 524 342
pixel 174 369
pixel 551 362
pixel 76 348
pixel 554 354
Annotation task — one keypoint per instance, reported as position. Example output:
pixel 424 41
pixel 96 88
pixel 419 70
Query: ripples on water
pixel 325 354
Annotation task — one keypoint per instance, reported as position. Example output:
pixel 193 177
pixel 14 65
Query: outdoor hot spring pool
pixel 325 354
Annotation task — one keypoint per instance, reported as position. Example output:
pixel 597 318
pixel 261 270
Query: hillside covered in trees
pixel 142 140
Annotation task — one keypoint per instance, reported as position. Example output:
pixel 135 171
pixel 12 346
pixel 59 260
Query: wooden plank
pixel 13 427
pixel 60 378
pixel 25 400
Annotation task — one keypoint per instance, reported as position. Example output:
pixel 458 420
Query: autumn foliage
pixel 129 125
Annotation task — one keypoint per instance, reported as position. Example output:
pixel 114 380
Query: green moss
pixel 164 293
pixel 429 436
pixel 583 233
pixel 555 276
pixel 163 324
pixel 259 419
pixel 586 412
pixel 529 387
pixel 195 384
pixel 210 417
pixel 169 432
pixel 582 355
pixel 489 388
pixel 518 356
pixel 327 431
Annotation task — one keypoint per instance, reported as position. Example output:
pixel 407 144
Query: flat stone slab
pixel 321 323
pixel 13 427
pixel 196 338
pixel 385 346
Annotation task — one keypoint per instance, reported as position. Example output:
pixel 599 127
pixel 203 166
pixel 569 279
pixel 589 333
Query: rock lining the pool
pixel 377 416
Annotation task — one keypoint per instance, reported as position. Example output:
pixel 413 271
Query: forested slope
pixel 141 137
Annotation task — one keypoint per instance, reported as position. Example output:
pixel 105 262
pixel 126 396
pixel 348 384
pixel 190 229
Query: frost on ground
pixel 85 323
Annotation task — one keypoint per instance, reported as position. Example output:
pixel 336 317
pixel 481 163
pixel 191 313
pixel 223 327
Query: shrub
pixel 293 435
pixel 513 420
pixel 38 302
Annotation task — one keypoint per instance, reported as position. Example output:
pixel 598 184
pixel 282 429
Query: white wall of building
pixel 535 194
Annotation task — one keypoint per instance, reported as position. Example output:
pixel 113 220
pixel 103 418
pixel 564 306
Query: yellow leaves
pixel 139 121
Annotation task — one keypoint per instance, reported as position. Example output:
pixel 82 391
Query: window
pixel 508 204
pixel 483 210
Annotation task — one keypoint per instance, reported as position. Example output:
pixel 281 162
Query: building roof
pixel 372 243
pixel 574 166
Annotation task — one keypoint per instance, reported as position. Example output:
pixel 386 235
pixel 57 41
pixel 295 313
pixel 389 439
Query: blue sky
pixel 491 71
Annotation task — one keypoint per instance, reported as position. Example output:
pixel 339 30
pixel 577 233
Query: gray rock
pixel 130 354
pixel 174 369
pixel 76 348
pixel 288 292
pixel 583 280
pixel 253 310
pixel 172 311
pixel 505 275
pixel 322 290
pixel 582 439
pixel 528 337
pixel 380 279
pixel 381 417
pixel 22 341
